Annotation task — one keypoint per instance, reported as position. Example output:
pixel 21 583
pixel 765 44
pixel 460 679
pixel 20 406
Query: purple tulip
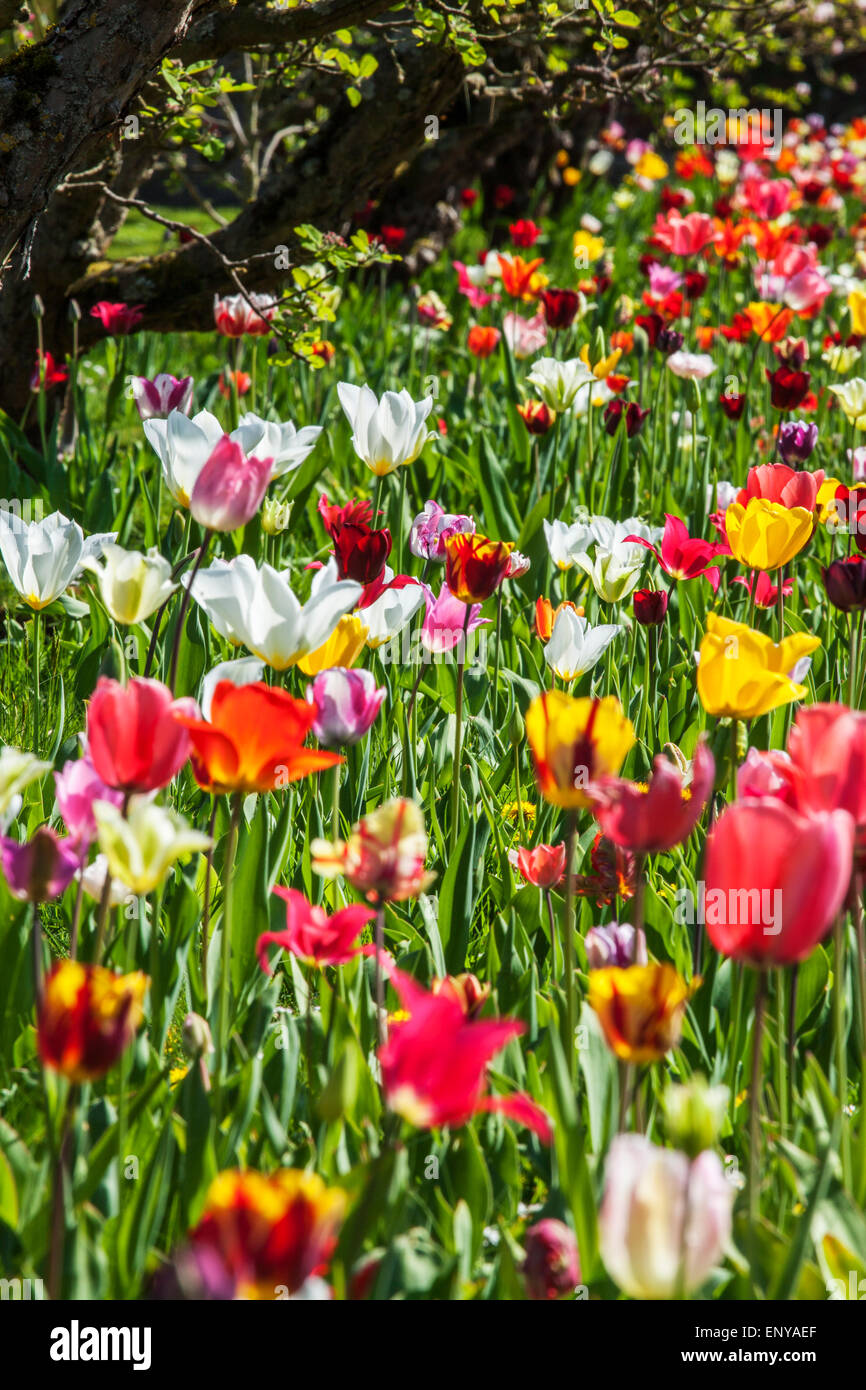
pixel 444 624
pixel 432 527
pixel 347 703
pixel 797 439
pixel 614 944
pixel 77 786
pixel 156 398
pixel 39 869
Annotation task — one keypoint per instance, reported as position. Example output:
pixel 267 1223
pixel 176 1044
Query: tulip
pixel 346 704
pixel 466 989
pixel 683 556
pixel 797 440
pixel 287 446
pixel 664 1220
pixel 275 516
pixel 615 944
pixel 766 535
pixel 543 866
pixel 361 552
pixel 775 880
pixel 482 342
pixel 253 741
pixel 574 742
pixel 141 847
pixel 566 543
pixel 442 1083
pixel 314 937
pixel 244 671
pixel 475 566
pixel 766 774
pixel 445 623
pixel 760 588
pixel 536 416
pixel 650 606
pixel 640 1009
pixel 521 279
pixel 845 583
pixel 684 236
pixel 741 673
pixel 432 527
pixel 733 405
pixel 159 397
pixel 552 1265
pixel 524 337
pixel 269 1233
pixel 17 771
pixel 614 574
pixel 432 313
pixel 77 786
pixel 117 319
pixel 560 307
pixel 652 819
pixel 614 875
pixel 695 1114
pixel 852 398
pixel 518 565
pixel 238 314
pixel 88 1018
pixel 557 383
pixel 133 740
pixel 788 389
pixel 524 232
pixel 255 606
pixel 131 585
pixel 388 433
pixel 40 869
pixel 229 489
pixel 342 648
pixel 575 647
pixel 617 410
pixel 827 765
pixel 44 557
pixel 693 366
pixel 384 855
pixel 47 373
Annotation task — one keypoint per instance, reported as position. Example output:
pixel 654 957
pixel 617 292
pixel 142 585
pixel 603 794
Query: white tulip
pixel 141 846
pixel 132 585
pixel 17 771
pixel 387 433
pixel 591 393
pixel 693 365
pixel 574 646
pixel 184 447
pixel 565 542
pixel 43 557
pixel 254 606
pixel 282 442
pixel 614 574
pixel 557 383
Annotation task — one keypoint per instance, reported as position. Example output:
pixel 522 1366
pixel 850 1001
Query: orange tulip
pixel 640 1008
pixel 770 321
pixel 254 740
pixel 482 341
pixel 520 278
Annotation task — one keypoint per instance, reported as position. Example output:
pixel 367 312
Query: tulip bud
pixel 347 703
pixel 650 606
pixel 615 944
pixel 552 1265
pixel 195 1037
pixel 466 989
pixel 694 1114
pixel 275 516
pixel 669 341
pixel 516 728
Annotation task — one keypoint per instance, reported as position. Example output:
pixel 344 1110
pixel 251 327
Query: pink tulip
pixel 445 620
pixel 230 488
pixel 792 487
pixel 431 529
pixel 827 744
pixel 683 556
pixel 775 880
pixel 552 1265
pixel 766 774
pixel 347 703
pixel 157 398
pixel 653 819
pixel 524 336
pixel 77 786
pixel 684 236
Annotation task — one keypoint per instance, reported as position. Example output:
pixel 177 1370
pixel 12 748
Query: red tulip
pixel 482 341
pixel 732 405
pixel 134 741
pixel 361 552
pixel 827 746
pixel 314 937
pixel 775 880
pixel 650 606
pixel 524 232
pixel 560 307
pixel 788 388
pixel 117 318
pixel 434 1063
pixel 543 866
pixel 651 819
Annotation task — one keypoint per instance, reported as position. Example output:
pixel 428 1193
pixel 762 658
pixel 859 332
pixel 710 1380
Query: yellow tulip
pixel 640 1009
pixel 742 674
pixel 342 648
pixel 765 535
pixel 857 310
pixel 604 366
pixel 651 166
pixel 587 248
pixel 574 742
